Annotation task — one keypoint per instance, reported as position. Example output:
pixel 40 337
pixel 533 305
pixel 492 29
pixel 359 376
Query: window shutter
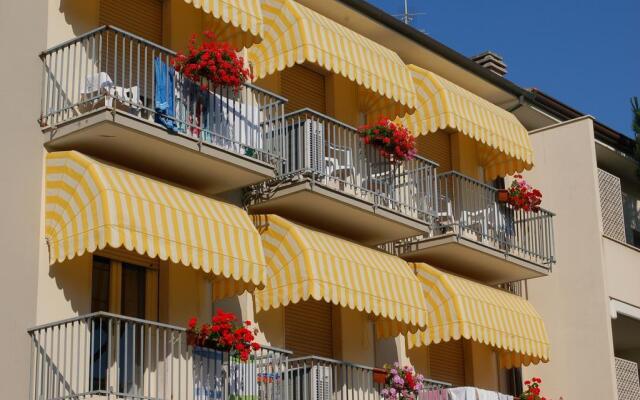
pixel 436 147
pixel 303 88
pixel 446 362
pixel 141 17
pixel 308 328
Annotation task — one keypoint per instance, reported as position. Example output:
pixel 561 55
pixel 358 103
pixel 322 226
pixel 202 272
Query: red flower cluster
pixel 212 63
pixel 522 196
pixel 394 141
pixel 225 334
pixel 533 390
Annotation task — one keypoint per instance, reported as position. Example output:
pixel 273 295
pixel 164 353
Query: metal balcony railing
pixel 103 354
pixel 108 68
pixel 319 378
pixel 332 154
pixel 469 207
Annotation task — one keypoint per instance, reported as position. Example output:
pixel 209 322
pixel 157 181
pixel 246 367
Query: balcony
pixel 320 378
pixel 329 179
pixel 113 95
pixel 112 356
pixel 481 238
pixel 108 355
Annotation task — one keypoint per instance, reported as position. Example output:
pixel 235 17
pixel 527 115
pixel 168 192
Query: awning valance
pixel 460 308
pixel 295 34
pixel 91 205
pixel 305 264
pixel 242 19
pixel 441 104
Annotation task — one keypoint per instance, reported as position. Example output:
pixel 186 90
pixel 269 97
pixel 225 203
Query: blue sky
pixel 585 53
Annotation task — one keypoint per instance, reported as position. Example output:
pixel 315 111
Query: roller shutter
pixel 436 147
pixel 141 17
pixel 446 362
pixel 303 88
pixel 308 328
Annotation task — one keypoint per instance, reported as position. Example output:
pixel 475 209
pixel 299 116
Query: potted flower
pixel 224 334
pixel 401 383
pixel 502 195
pixel 211 62
pixel 522 196
pixel 379 375
pixel 393 141
pixel 532 391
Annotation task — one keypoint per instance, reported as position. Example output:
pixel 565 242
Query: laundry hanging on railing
pixel 463 393
pixel 218 117
pixel 164 94
pixel 434 394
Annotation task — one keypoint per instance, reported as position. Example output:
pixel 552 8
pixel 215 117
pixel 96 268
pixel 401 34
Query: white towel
pixel 504 396
pixel 487 395
pixel 462 393
pixel 237 121
pixel 97 82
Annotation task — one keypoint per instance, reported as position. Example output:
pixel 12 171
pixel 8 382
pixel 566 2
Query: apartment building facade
pixel 591 301
pixel 136 207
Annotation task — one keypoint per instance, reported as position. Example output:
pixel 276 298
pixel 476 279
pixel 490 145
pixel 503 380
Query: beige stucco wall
pixel 70 18
pixel 573 301
pixel 622 265
pixel 64 289
pixel 21 180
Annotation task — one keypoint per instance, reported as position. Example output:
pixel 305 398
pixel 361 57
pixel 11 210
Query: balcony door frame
pixel 117 259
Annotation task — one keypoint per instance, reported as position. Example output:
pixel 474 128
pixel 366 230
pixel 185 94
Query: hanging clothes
pixel 164 94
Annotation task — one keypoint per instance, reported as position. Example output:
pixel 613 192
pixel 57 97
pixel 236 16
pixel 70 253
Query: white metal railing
pixel 108 68
pixel 319 378
pixel 627 379
pixel 332 154
pixel 470 208
pixel 103 354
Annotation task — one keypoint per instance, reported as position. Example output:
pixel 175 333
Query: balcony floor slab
pixel 339 213
pixel 473 259
pixel 147 147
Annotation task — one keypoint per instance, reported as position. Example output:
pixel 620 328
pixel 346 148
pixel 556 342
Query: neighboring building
pixel 135 201
pixel 591 303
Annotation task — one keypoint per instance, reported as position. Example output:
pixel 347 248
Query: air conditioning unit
pixel 311 382
pixel 321 382
pixel 314 146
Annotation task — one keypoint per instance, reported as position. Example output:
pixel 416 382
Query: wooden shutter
pixel 308 328
pixel 141 17
pixel 446 362
pixel 303 88
pixel 436 147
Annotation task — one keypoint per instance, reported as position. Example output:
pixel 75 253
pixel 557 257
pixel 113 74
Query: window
pixel 127 289
pixel 133 291
pixel 100 284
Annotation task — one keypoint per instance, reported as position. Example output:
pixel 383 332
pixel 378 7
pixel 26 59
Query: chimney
pixel 491 61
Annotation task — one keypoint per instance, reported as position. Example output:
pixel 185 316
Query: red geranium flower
pixel 212 63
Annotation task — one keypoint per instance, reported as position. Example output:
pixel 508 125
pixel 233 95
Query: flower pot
pixel 191 339
pixel 379 376
pixel 502 196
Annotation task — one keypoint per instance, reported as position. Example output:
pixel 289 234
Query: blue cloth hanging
pixel 164 94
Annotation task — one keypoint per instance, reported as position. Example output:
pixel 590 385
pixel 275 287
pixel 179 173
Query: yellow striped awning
pixel 91 205
pixel 441 104
pixel 305 264
pixel 294 34
pixel 242 19
pixel 460 308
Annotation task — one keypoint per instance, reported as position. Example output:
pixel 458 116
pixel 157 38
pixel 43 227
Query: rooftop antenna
pixel 408 17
